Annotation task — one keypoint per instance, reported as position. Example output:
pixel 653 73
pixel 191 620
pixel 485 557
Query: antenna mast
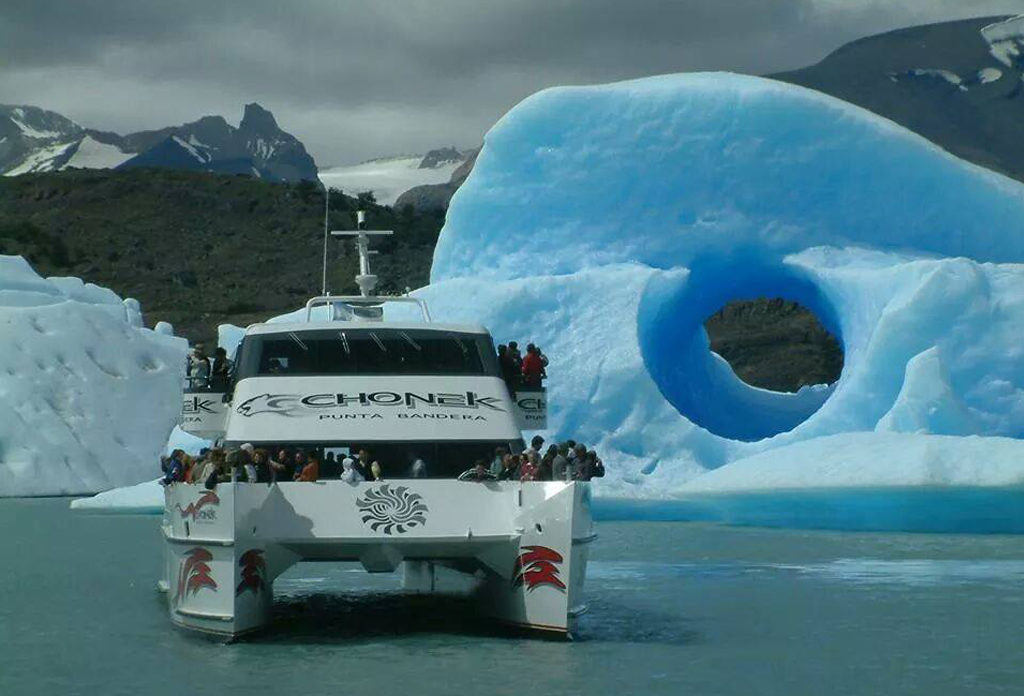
pixel 366 281
pixel 327 210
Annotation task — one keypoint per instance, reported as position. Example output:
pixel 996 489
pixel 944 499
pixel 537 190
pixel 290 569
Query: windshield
pixel 377 351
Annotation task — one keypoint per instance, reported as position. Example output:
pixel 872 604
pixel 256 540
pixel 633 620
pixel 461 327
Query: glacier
pixel 606 223
pixel 88 396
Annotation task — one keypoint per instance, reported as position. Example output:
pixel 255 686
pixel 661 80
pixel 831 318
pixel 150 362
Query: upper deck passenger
pixel 220 370
pixel 199 367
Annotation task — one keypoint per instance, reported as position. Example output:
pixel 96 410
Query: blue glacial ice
pixel 605 223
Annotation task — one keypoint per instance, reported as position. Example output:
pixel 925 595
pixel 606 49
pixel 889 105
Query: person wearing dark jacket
pixel 544 471
pixel 220 371
pixel 517 357
pixel 261 462
pixel 173 467
pixel 509 468
pixel 509 372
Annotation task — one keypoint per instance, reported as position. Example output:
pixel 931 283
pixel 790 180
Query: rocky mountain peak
pixel 258 120
pixel 441 156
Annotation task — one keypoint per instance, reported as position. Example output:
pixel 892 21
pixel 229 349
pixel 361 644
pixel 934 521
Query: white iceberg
pixel 87 396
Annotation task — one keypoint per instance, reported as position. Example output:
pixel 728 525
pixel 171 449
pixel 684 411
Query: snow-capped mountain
pixel 257 147
pixel 389 177
pixel 36 140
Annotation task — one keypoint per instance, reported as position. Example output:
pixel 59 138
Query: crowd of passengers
pixel 567 461
pixel 522 371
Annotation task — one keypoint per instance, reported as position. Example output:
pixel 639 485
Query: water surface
pixel 676 608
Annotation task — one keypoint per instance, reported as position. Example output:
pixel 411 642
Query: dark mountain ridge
pixel 35 140
pixel 199 249
pixel 943 81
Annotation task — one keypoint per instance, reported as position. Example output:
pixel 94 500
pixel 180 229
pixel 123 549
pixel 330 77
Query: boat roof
pixel 299 326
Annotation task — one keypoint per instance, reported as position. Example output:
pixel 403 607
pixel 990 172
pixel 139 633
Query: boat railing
pixel 349 307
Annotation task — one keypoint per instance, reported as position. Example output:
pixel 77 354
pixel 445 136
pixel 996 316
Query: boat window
pixel 376 351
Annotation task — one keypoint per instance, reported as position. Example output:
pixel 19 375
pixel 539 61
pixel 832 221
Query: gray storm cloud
pixel 360 79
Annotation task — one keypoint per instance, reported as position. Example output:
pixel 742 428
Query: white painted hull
pixel 524 545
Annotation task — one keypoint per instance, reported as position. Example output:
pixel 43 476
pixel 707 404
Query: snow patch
pixel 92 154
pixel 1005 40
pixel 387 178
pixel 30 132
pixel 41 160
pixel 947 75
pixel 192 149
pixel 987 75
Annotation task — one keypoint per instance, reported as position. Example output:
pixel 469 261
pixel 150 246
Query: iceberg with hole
pixel 606 223
pixel 87 396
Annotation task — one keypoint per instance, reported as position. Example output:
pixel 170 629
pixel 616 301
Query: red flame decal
pixel 253 570
pixel 207 498
pixel 194 573
pixel 535 566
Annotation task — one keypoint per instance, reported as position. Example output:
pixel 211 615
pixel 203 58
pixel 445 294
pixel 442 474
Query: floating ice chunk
pixel 142 498
pixel 188 443
pixel 862 460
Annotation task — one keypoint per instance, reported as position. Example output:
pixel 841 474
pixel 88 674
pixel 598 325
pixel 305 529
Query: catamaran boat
pixel 427 400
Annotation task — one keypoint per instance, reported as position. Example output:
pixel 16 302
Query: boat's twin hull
pixel 525 544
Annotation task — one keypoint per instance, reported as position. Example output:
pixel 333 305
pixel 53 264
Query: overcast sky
pixel 355 80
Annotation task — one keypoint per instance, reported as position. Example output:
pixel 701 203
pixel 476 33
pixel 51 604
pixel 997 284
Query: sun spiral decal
pixel 393 510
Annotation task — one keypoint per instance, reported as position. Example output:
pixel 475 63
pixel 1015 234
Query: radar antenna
pixel 366 281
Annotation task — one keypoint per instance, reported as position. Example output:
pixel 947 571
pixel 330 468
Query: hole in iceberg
pixel 774 344
pixel 698 382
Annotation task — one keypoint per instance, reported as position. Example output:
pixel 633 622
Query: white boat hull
pixel 524 545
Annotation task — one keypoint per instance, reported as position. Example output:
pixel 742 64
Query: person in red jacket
pixel 533 367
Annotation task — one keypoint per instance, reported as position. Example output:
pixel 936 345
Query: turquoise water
pixel 676 608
